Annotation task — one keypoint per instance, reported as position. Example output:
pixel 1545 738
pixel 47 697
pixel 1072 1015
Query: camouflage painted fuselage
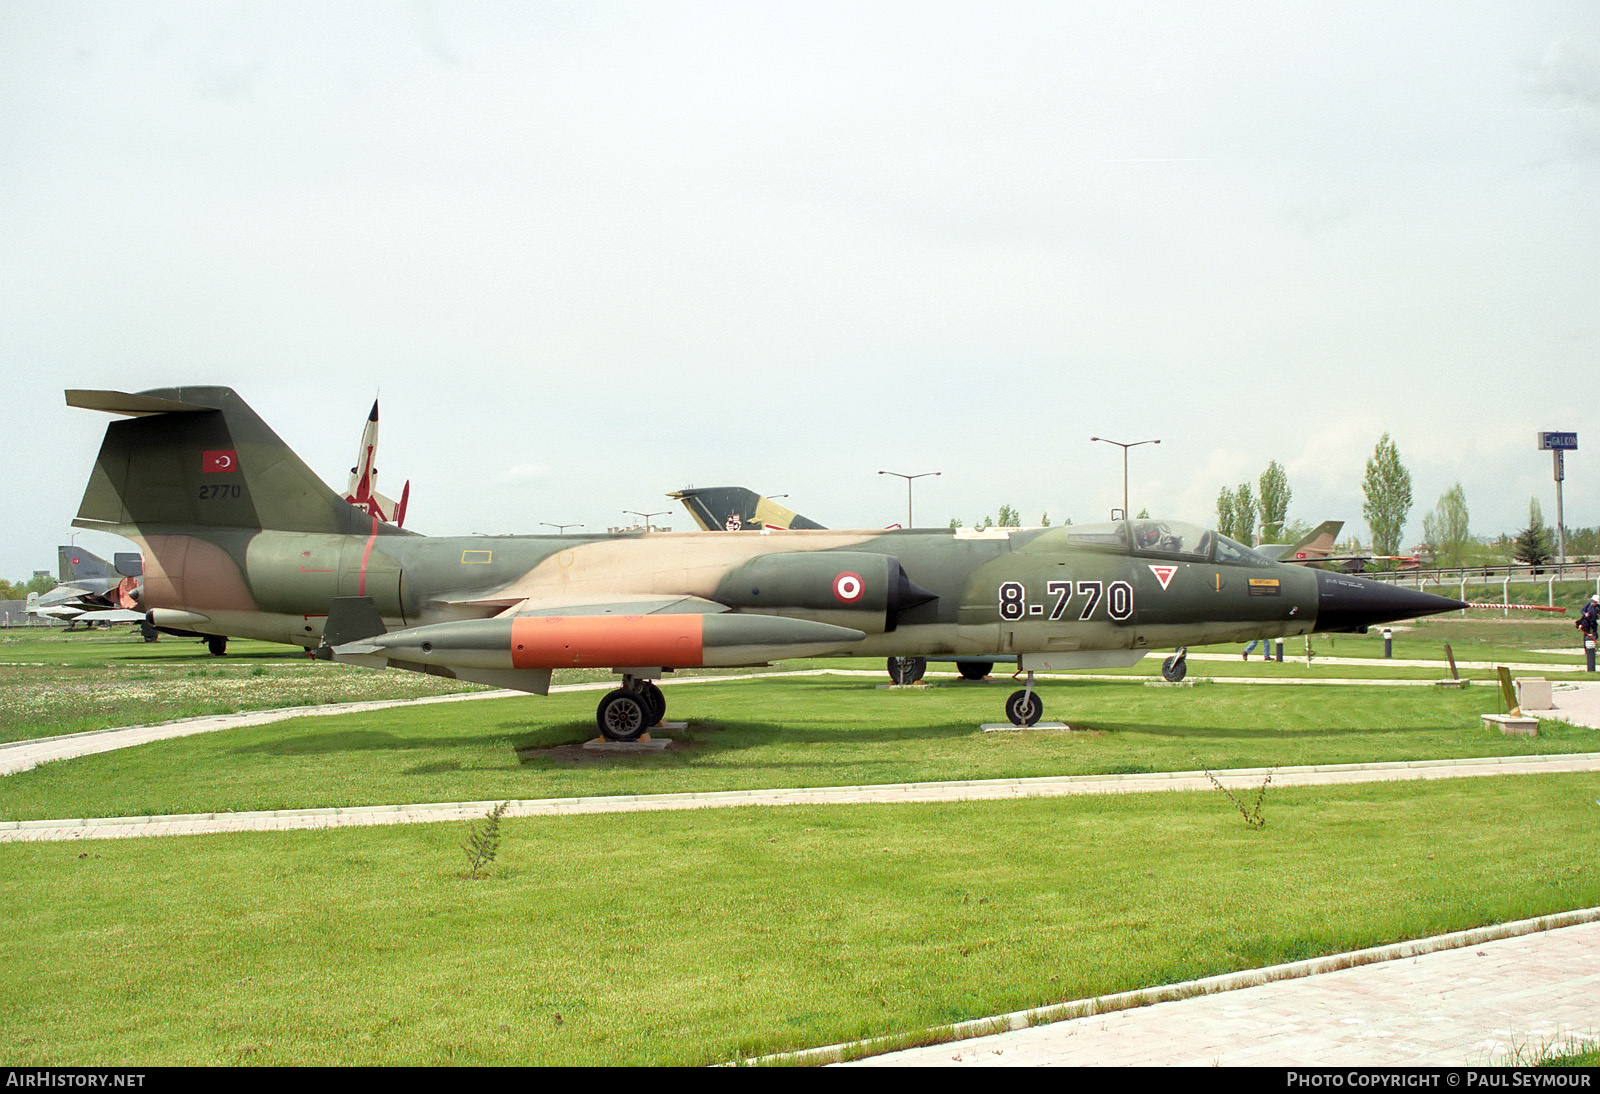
pixel 240 538
pixel 1021 591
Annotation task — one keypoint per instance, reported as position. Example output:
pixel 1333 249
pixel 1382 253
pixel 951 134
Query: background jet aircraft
pixel 1315 546
pixel 91 590
pixel 240 537
pixel 362 491
pixel 1316 549
pixel 735 509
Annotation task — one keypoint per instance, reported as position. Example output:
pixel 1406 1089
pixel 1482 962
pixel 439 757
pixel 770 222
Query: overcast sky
pixel 592 252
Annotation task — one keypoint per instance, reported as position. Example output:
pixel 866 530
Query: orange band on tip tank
pixel 604 641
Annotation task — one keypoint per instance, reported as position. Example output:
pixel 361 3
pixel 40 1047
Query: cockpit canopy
pixel 1164 539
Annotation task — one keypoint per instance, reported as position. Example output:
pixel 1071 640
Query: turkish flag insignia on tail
pixel 219 460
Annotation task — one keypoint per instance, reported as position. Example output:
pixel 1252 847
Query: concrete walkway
pixel 191 824
pixel 1475 999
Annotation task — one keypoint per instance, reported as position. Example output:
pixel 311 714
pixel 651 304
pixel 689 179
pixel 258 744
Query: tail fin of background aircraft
pixel 1315 546
pixel 73 564
pixel 734 509
pixel 198 457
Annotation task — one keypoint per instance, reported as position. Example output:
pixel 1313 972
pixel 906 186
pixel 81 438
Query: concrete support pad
pixel 1513 726
pixel 643 744
pixel 1007 727
pixel 1451 683
pixel 1533 693
pixel 1169 683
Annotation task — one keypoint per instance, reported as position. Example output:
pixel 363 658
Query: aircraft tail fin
pixel 197 458
pixel 74 564
pixel 1314 546
pixel 734 508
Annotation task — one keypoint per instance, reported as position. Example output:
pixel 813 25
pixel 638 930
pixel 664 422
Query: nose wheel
pixel 1176 667
pixel 907 670
pixel 1024 708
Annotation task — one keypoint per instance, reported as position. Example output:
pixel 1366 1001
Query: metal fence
pixel 14 613
pixel 1455 581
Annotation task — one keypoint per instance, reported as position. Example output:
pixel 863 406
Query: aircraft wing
pixel 111 615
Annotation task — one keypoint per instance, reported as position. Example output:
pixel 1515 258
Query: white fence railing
pixel 1455 581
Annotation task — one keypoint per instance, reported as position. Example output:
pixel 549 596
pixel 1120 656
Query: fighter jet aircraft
pixel 737 509
pixel 90 589
pixel 362 490
pixel 241 538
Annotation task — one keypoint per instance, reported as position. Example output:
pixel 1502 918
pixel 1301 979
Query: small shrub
pixel 483 841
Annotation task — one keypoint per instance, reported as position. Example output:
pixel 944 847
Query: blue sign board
pixel 1561 441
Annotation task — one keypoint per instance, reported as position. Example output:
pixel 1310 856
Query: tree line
pixel 1258 513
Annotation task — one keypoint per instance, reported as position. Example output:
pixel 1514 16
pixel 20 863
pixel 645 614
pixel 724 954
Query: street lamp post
pixel 1124 447
pixel 646 516
pixel 909 479
pixel 561 529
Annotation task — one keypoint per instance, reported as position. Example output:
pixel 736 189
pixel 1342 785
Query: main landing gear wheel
pixel 1176 667
pixel 217 644
pixel 653 696
pixel 907 670
pixel 1024 708
pixel 975 670
pixel 624 715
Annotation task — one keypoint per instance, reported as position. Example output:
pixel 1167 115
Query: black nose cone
pixel 1347 603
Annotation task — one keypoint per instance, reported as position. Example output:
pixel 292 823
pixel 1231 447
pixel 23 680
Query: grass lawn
pixel 802 731
pixel 696 938
pixel 691 938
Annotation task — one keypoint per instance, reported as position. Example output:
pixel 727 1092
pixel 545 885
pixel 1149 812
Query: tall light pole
pixel 909 479
pixel 561 529
pixel 1124 447
pixel 646 516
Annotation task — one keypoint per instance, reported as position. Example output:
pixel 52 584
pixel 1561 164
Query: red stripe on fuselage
pixel 606 641
pixel 366 555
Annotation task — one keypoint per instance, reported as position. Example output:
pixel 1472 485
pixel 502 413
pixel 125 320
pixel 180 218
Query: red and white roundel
pixel 848 587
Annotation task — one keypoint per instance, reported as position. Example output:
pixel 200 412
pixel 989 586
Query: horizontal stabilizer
pixel 124 402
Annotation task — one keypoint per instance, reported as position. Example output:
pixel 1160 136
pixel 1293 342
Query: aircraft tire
pixel 907 670
pixel 1175 668
pixel 1024 709
pixel 975 670
pixel 652 695
pixel 623 715
pixel 217 644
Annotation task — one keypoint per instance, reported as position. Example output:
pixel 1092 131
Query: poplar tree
pixel 1275 494
pixel 1244 515
pixel 1446 529
pixel 1388 493
pixel 1225 512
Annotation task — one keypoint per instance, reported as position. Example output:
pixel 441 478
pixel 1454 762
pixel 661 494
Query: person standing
pixel 1589 619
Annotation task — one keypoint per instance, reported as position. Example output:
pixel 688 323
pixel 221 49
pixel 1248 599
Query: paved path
pixel 890 793
pixel 1471 1001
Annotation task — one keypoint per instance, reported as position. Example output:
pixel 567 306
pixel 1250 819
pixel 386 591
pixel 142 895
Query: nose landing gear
pixel 1176 667
pixel 1024 708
